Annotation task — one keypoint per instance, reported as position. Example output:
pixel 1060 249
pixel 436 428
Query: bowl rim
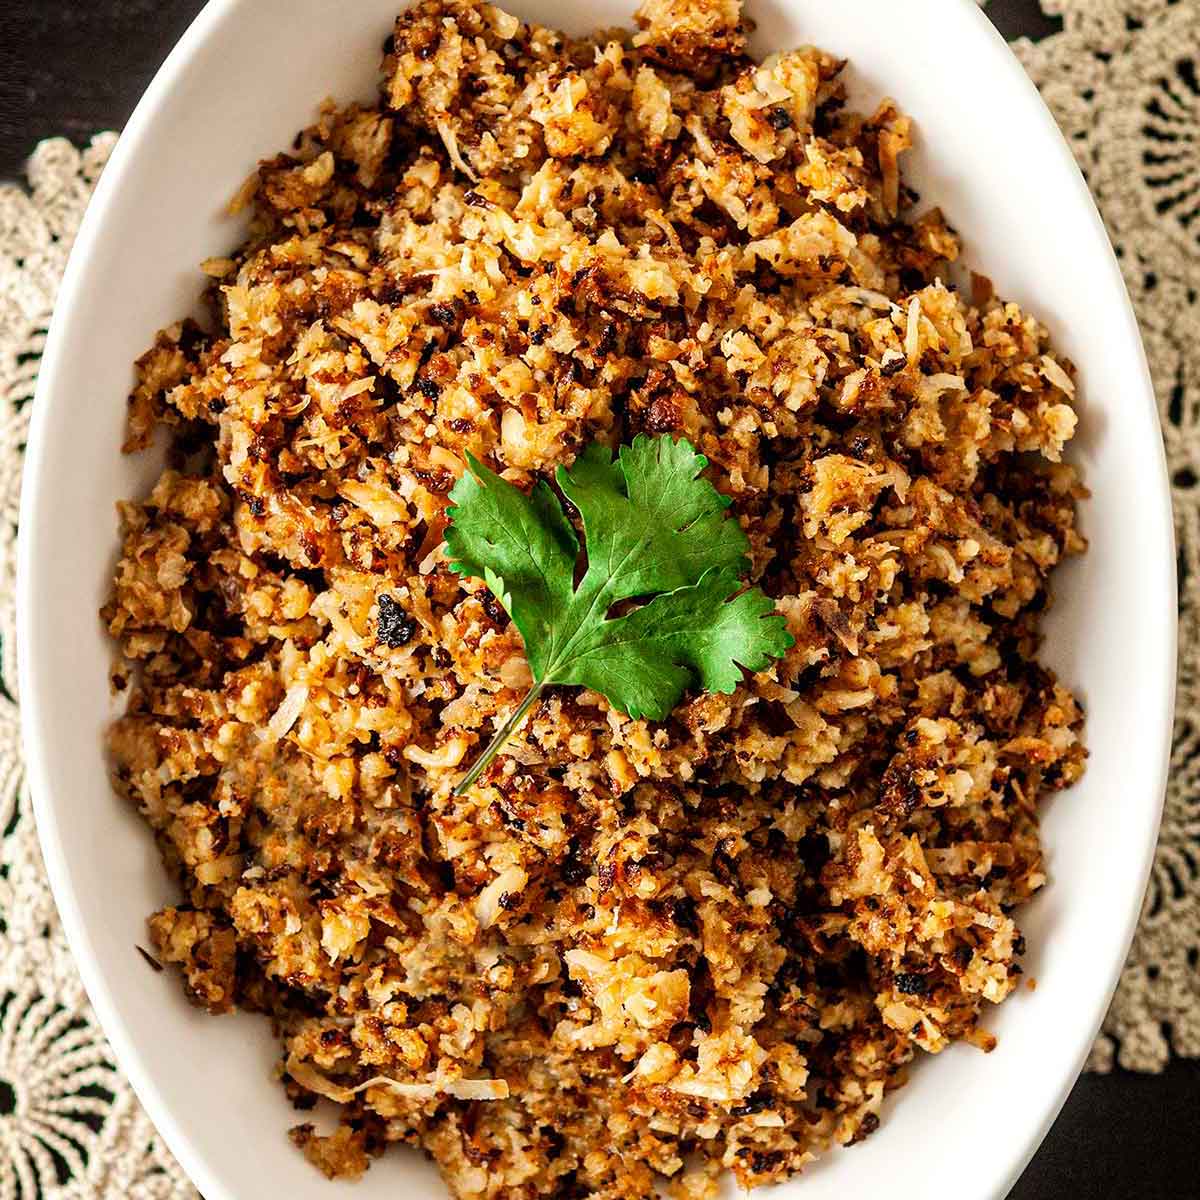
pixel 121 1036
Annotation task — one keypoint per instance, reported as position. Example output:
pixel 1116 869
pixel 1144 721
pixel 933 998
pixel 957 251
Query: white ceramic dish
pixel 990 154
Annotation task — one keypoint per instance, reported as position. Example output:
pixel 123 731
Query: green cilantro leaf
pixel 651 523
pixel 522 547
pixel 656 531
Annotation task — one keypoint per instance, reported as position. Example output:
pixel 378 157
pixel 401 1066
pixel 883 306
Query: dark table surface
pixel 73 69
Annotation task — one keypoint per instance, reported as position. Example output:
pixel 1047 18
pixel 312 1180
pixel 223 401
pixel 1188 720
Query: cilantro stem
pixel 501 736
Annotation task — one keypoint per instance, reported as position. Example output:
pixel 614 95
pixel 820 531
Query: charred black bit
pixel 494 609
pixel 395 627
pixel 683 910
pixel 908 984
pixel 575 869
pixel 866 1127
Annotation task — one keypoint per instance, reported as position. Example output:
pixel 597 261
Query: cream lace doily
pixel 1123 79
pixel 1124 82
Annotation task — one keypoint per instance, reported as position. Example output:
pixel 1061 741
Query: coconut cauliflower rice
pixel 634 951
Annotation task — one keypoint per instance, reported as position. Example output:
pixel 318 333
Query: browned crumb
pixel 341 1155
pixel 635 950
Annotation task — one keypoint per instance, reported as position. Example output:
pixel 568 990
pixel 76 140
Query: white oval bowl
pixel 991 156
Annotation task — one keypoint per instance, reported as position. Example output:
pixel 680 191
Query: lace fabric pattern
pixel 1119 80
pixel 70 1126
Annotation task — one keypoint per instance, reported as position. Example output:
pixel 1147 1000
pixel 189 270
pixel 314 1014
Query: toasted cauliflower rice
pixel 633 950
